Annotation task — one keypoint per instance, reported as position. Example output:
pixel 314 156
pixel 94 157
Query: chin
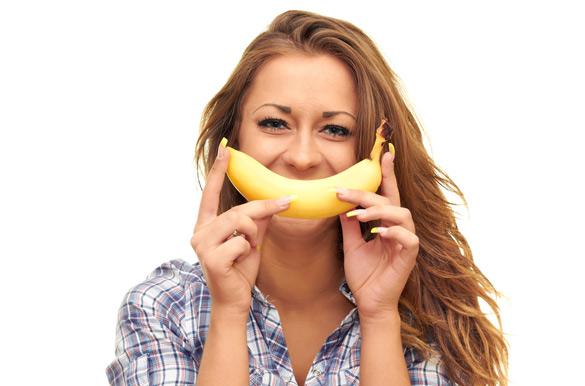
pixel 303 227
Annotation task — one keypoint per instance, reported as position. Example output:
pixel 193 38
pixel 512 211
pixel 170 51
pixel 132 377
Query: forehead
pixel 304 79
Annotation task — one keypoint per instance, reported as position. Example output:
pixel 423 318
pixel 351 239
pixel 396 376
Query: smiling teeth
pixel 315 198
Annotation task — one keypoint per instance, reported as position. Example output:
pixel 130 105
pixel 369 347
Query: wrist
pixel 228 316
pixel 382 319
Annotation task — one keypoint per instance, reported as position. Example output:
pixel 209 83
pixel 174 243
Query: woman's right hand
pixel 230 264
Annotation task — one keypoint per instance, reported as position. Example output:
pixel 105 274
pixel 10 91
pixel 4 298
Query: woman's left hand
pixel 377 271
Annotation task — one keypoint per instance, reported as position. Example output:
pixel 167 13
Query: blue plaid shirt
pixel 163 323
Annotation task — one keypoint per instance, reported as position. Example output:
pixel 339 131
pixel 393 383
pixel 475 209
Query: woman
pixel 384 294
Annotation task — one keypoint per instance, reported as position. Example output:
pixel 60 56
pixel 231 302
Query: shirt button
pixel 286 379
pixel 316 373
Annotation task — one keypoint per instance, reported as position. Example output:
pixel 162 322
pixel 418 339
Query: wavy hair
pixel 440 305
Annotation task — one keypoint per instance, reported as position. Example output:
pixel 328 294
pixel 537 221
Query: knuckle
pixel 415 240
pixel 231 216
pixel 195 241
pixel 269 205
pixel 216 168
pixel 241 244
pixel 199 252
pixel 405 214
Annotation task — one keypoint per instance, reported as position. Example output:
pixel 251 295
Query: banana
pixel 314 198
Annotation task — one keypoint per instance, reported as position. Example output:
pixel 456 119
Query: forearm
pixel 382 357
pixel 225 354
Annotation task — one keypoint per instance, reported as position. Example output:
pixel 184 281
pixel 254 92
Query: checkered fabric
pixel 163 323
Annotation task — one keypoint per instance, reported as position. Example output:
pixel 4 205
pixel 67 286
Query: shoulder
pixel 170 280
pixel 155 325
pixel 425 371
pixel 166 291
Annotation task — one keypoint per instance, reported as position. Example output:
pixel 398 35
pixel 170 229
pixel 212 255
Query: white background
pixel 99 109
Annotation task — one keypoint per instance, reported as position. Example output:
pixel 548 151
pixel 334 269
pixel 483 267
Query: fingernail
pixel 293 197
pixel 392 149
pixel 356 212
pixel 340 191
pixel 221 148
pixel 378 230
pixel 258 247
pixel 284 201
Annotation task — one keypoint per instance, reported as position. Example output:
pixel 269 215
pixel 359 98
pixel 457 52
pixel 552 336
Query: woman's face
pixel 299 116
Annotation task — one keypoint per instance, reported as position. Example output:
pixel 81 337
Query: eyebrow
pixel 288 110
pixel 327 114
pixel 284 109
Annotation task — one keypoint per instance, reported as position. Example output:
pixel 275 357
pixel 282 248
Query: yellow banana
pixel 314 198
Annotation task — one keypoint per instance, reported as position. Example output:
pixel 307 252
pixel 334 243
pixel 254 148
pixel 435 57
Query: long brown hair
pixel 440 306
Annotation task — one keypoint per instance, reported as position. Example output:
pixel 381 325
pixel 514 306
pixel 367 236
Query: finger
pixel 243 218
pixel 222 229
pixel 404 245
pixel 352 234
pixel 387 214
pixel 228 253
pixel 259 209
pixel 232 222
pixel 210 195
pixel 402 236
pixel 389 186
pixel 361 198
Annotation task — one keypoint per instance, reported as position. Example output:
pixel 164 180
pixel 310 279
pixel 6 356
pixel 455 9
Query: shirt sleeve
pixel 423 372
pixel 150 345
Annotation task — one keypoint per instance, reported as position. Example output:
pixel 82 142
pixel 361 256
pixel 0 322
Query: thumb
pixel 262 225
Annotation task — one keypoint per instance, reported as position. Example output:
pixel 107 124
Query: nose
pixel 303 153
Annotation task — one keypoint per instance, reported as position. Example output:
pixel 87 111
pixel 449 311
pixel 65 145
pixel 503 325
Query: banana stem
pixel 384 128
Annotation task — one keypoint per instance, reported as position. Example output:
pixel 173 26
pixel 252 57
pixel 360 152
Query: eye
pixel 273 124
pixel 336 131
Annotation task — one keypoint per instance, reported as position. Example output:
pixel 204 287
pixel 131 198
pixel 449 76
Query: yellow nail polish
pixel 392 149
pixel 223 142
pixel 378 230
pixel 293 197
pixel 356 212
pixel 258 247
pixel 332 189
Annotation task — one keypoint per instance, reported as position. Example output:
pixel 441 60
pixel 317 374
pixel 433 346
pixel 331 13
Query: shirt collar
pixel 343 288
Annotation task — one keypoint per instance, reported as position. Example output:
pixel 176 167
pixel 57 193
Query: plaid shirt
pixel 163 323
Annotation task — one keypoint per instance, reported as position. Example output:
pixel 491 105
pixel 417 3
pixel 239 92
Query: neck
pixel 298 269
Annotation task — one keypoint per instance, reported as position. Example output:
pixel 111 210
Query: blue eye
pixel 273 124
pixel 337 131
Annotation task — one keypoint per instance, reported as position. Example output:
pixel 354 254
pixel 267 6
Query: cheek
pixel 343 158
pixel 265 152
pixel 259 147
